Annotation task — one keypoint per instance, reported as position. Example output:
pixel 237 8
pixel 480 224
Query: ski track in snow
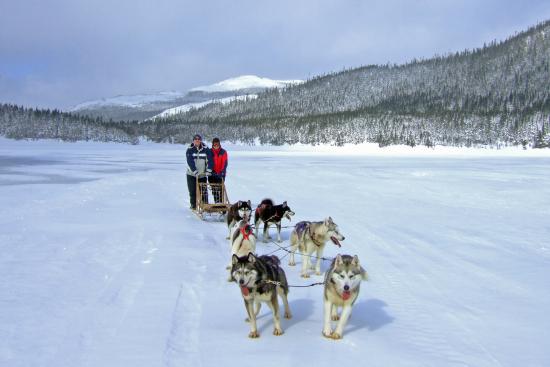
pixel 103 264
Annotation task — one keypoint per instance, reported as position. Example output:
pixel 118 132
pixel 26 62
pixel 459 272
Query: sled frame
pixel 210 191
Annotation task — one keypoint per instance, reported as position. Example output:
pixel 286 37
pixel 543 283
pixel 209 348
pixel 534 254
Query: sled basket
pixel 211 198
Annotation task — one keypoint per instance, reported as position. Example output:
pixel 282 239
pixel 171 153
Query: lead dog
pixel 312 237
pixel 236 213
pixel 255 277
pixel 342 283
pixel 268 213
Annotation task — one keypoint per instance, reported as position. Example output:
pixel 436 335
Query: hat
pixel 197 136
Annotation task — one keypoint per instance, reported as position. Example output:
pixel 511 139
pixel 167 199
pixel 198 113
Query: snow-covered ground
pixel 102 264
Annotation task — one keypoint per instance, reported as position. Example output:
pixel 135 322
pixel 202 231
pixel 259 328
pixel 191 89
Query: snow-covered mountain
pixel 138 100
pixel 187 107
pixel 245 82
pixel 144 106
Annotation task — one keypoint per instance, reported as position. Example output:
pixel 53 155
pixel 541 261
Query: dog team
pixel 261 279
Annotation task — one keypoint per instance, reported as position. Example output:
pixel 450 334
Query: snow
pixel 245 82
pixel 102 263
pixel 135 101
pixel 189 106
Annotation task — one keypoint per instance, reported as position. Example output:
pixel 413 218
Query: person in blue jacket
pixel 199 164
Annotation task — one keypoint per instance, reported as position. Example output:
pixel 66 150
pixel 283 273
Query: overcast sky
pixel 58 53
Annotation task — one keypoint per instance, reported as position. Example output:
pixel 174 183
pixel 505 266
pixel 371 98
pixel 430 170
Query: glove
pixel 208 172
pixel 195 173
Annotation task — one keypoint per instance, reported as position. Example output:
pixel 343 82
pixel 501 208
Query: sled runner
pixel 211 198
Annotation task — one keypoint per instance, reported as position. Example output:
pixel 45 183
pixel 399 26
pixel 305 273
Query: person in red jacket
pixel 220 167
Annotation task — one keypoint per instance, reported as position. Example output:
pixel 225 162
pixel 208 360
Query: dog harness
pixel 246 231
pixel 312 235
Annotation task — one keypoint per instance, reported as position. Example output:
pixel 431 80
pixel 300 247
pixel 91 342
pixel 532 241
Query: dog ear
pixel 249 204
pixel 251 257
pixel 239 203
pixel 364 274
pixel 339 260
pixel 284 204
pixel 327 222
pixel 234 259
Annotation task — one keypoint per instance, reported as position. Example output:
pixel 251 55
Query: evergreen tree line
pixel 27 123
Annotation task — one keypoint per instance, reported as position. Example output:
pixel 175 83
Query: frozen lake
pixel 102 264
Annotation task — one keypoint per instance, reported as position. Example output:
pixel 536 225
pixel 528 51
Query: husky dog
pixel 311 237
pixel 342 282
pixel 255 277
pixel 243 240
pixel 269 213
pixel 236 213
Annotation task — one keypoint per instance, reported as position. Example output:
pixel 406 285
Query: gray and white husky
pixel 342 283
pixel 261 279
pixel 310 237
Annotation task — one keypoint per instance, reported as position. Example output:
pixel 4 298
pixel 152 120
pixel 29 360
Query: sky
pixel 58 53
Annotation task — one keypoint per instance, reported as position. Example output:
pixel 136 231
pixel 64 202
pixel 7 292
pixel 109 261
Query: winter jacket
pixel 220 161
pixel 199 160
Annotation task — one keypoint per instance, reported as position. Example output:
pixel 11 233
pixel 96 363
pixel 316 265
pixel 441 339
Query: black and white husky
pixel 261 279
pixel 310 237
pixel 236 213
pixel 268 213
pixel 342 283
pixel 243 240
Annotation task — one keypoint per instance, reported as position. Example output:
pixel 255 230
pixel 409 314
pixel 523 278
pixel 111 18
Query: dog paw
pixel 288 315
pixel 278 332
pixel 335 318
pixel 305 275
pixel 327 334
pixel 335 336
pixel 253 335
pixel 292 264
pixel 317 273
pixel 227 237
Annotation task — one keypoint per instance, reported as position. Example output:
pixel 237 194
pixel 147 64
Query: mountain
pixel 144 106
pixel 495 94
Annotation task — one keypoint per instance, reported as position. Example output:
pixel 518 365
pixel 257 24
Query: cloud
pixel 61 52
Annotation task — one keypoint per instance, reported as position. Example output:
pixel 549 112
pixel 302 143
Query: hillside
pixel 143 106
pixel 497 93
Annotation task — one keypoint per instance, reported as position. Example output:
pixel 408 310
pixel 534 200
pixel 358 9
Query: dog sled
pixel 214 193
